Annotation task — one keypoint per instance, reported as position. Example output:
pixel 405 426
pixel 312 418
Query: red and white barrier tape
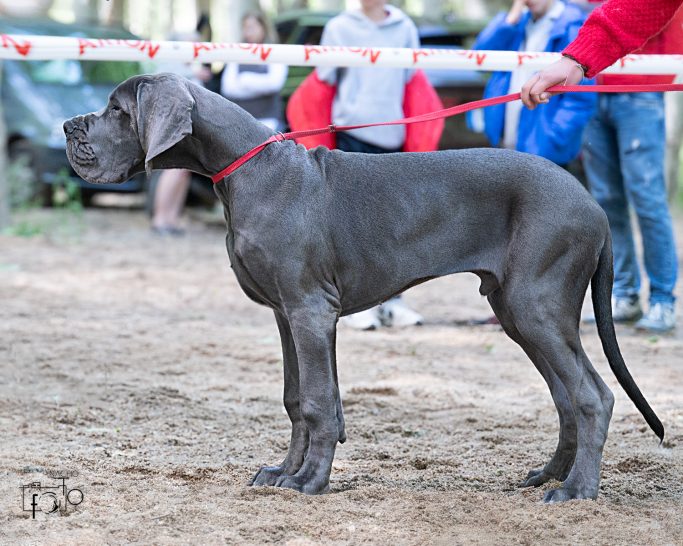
pixel 25 47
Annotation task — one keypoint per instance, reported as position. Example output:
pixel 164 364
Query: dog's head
pixel 145 116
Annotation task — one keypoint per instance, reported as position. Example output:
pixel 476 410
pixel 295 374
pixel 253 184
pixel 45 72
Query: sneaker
pixel 659 318
pixel 365 320
pixel 623 310
pixel 168 231
pixel 395 312
pixel 626 309
pixel 488 321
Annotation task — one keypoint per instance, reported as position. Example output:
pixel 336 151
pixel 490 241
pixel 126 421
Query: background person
pixel 624 146
pixel 553 132
pixel 256 88
pixel 624 158
pixel 171 188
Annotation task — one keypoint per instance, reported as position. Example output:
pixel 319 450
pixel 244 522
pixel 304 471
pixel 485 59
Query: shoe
pixel 168 231
pixel 365 320
pixel 623 310
pixel 626 309
pixel 660 318
pixel 492 321
pixel 395 312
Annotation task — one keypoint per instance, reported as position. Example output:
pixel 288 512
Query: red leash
pixel 446 112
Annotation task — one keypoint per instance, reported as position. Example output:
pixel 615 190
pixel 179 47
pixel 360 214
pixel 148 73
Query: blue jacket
pixel 552 130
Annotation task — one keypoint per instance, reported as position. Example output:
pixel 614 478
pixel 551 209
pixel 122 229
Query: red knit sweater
pixel 619 27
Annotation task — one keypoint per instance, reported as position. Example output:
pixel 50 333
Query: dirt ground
pixel 136 363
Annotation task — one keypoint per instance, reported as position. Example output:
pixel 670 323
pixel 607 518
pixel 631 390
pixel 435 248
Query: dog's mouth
pixel 79 151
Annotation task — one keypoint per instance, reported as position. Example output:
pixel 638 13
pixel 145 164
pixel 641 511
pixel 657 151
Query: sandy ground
pixel 138 364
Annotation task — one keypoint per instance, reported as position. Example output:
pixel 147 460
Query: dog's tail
pixel 601 286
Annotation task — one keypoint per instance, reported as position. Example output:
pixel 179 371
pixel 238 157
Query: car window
pixel 310 35
pixel 285 29
pixel 56 71
pixel 70 72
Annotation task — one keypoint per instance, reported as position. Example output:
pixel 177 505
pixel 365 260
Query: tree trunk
pixel 432 10
pixel 86 10
pixel 203 6
pixel 282 6
pixel 160 20
pixel 112 12
pixel 226 16
pixel 4 182
pixel 477 9
pixel 331 5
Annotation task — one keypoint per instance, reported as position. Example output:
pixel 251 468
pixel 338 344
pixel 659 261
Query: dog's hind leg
pixel 298 444
pixel 548 322
pixel 313 327
pixel 560 464
pixel 593 404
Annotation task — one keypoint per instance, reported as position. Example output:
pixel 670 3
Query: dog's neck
pixel 217 139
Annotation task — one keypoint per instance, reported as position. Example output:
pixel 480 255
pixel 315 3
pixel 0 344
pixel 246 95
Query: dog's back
pixel 400 218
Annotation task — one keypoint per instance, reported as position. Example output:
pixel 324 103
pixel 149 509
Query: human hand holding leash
pixel 566 71
pixel 614 29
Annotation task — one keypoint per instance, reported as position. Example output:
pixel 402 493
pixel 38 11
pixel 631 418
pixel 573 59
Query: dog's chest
pixel 250 276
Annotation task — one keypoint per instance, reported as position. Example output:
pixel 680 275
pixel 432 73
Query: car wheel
pixel 29 187
pixel 87 196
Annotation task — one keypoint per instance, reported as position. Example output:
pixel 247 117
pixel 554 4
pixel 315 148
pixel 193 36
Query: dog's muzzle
pixel 69 127
pixel 77 147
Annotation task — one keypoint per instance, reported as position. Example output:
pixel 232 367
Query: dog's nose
pixel 69 126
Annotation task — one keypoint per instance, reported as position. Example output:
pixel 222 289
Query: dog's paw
pixel 536 477
pixel 267 475
pixel 563 494
pixel 556 469
pixel 298 483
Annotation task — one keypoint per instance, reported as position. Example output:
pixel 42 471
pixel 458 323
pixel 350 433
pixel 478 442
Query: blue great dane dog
pixel 318 234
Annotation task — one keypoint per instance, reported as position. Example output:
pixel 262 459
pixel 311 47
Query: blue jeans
pixel 623 153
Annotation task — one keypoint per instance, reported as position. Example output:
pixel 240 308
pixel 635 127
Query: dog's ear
pixel 164 115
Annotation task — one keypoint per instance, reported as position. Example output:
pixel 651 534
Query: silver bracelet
pixel 578 65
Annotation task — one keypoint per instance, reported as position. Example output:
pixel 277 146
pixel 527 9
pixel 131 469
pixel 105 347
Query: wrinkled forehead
pixel 125 92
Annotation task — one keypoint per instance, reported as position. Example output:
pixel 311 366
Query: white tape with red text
pixel 48 47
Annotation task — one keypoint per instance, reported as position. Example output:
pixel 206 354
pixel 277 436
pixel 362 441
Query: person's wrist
pixel 513 16
pixel 515 13
pixel 577 64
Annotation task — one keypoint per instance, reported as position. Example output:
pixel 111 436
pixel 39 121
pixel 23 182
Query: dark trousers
pixel 347 143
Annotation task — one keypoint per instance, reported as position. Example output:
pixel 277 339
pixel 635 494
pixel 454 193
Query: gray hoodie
pixel 366 95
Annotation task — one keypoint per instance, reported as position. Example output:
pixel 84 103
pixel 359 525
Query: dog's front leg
pixel 268 475
pixel 314 330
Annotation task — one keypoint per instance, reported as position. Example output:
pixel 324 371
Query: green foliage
pixel 66 194
pixel 22 189
pixel 21 183
pixel 64 221
pixel 24 227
